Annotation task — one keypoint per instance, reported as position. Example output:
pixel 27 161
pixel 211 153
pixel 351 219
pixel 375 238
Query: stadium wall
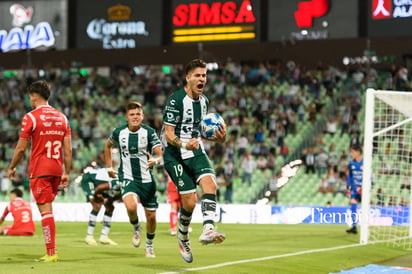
pixel 307 53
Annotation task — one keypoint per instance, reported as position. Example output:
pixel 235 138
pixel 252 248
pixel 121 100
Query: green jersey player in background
pixel 185 158
pixel 100 190
pixel 136 142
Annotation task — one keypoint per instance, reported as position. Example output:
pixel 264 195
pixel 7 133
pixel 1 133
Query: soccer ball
pixel 209 123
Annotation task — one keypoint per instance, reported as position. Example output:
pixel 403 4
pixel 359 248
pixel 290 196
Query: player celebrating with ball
pixel 185 158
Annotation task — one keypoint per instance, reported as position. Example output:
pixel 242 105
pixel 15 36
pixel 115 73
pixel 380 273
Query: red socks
pixel 49 232
pixel 173 220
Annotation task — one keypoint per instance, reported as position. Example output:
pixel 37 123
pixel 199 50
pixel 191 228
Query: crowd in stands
pixel 261 102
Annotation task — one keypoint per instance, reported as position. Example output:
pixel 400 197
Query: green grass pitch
pixel 247 249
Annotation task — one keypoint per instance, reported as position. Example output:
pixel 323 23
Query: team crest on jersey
pixel 181 183
pixel 143 141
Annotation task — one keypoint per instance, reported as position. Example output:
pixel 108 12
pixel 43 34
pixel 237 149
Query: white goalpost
pixel 387 173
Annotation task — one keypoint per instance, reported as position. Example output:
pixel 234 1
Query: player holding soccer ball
pixel 185 158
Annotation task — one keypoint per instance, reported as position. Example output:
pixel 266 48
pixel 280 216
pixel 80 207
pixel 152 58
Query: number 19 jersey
pixel 47 128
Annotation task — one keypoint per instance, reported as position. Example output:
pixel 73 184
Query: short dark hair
pixel 133 105
pixel 17 191
pixel 356 147
pixel 40 87
pixel 195 63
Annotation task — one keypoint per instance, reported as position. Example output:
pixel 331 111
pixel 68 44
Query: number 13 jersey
pixel 46 127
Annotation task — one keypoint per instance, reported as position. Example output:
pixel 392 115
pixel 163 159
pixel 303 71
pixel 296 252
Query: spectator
pixel 229 171
pixel 358 77
pixel 392 200
pixel 309 159
pixel 401 79
pixel 331 125
pixel 284 151
pixel 261 163
pixel 271 162
pixel 342 165
pixel 248 164
pixel 331 180
pixel 322 162
pixel 333 158
pixel 341 186
pixel 345 121
pixel 380 196
pixel 242 144
pixel 273 187
pixel 323 186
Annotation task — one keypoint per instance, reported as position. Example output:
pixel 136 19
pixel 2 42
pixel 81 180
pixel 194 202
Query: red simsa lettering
pixel 213 14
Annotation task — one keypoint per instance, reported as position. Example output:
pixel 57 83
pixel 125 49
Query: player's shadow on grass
pixel 12 258
pixel 100 255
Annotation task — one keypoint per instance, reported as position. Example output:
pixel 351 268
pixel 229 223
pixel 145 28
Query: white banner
pixel 225 213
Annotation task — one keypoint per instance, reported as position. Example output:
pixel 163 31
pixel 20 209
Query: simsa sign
pixel 118 25
pixel 208 21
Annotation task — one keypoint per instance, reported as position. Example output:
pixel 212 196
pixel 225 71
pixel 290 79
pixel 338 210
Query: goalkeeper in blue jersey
pixel 354 183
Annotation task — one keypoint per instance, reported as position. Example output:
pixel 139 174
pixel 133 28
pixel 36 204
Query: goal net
pixel 387 174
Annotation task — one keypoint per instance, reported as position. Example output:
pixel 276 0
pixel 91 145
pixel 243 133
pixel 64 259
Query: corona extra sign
pixel 119 30
pixel 218 21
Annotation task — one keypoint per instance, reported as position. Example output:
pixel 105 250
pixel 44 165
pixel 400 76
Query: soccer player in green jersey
pixel 185 158
pixel 136 142
pixel 100 190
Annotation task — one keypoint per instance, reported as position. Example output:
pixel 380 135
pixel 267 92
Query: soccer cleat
pixel 90 240
pixel 212 236
pixel 150 251
pixel 352 230
pixel 173 232
pixel 136 238
pixel 107 241
pixel 184 248
pixel 48 259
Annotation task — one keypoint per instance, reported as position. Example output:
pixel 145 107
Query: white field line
pixel 264 258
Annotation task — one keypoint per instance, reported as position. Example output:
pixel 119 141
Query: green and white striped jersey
pixel 185 114
pixel 133 148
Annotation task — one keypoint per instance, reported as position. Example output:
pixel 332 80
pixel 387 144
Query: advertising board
pixel 113 24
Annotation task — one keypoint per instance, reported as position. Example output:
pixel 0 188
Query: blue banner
pixel 378 216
